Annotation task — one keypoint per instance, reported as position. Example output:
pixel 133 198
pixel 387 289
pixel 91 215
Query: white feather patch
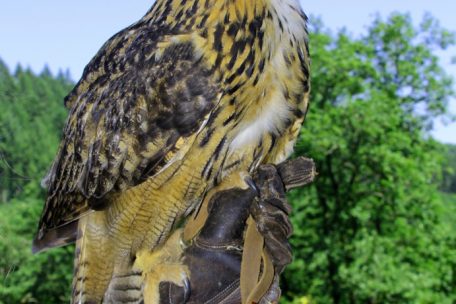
pixel 269 118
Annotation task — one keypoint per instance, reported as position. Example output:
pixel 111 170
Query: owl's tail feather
pixel 94 262
pixel 56 237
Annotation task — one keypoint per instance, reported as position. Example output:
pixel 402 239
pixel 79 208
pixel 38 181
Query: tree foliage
pixel 31 117
pixel 449 170
pixel 372 229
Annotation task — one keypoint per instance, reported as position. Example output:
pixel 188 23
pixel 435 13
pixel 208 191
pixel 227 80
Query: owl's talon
pixel 186 286
pixel 249 181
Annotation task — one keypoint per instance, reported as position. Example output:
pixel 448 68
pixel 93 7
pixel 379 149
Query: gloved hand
pixel 214 256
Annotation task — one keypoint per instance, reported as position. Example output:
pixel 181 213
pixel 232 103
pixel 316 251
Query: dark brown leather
pixel 297 172
pixel 270 212
pixel 214 256
pixel 228 212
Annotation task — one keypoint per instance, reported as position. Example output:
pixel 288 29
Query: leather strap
pixel 253 287
pixel 265 282
pixel 251 260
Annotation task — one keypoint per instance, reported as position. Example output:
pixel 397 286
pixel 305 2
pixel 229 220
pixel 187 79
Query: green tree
pixel 31 117
pixel 449 170
pixel 371 228
pixel 28 278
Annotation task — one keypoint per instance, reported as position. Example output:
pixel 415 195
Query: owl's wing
pixel 134 102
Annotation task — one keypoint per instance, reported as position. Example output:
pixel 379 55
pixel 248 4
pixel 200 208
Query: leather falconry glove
pixel 215 256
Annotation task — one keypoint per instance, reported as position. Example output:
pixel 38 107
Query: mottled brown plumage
pixel 196 93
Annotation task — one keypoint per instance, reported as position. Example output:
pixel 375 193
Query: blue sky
pixel 66 34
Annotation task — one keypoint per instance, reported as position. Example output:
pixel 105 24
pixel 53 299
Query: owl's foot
pixel 164 264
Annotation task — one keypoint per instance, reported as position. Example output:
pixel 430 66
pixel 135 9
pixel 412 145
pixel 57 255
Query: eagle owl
pixel 196 94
